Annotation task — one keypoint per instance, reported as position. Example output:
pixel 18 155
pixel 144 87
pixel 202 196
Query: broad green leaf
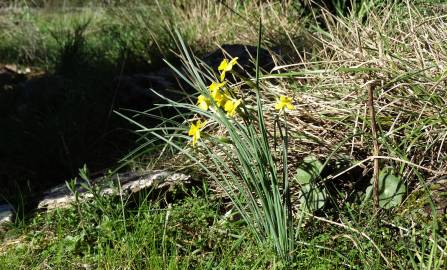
pixel 309 170
pixel 311 195
pixel 391 189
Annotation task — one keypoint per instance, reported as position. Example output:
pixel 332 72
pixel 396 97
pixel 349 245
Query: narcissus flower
pixel 216 94
pixel 226 66
pixel 195 130
pixel 216 86
pixel 231 106
pixel 283 103
pixel 203 102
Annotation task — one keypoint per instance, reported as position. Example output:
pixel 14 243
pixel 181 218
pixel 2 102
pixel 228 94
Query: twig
pixel 386 157
pixel 376 165
pixel 406 162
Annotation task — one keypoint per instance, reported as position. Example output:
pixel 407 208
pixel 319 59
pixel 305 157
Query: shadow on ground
pixel 54 123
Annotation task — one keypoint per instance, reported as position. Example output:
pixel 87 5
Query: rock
pixel 9 76
pixel 6 213
pixel 121 184
pixel 134 91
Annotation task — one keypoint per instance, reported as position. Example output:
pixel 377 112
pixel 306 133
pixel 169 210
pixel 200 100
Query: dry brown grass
pixel 399 50
pixel 407 60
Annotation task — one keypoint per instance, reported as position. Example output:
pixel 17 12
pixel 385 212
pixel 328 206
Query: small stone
pixel 6 213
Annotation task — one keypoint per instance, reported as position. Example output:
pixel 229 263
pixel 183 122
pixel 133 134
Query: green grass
pixel 202 233
pixel 188 233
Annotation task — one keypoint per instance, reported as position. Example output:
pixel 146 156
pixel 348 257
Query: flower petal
pixel 203 103
pixel 215 86
pixel 222 75
pixel 231 107
pixel 195 130
pixel 223 65
pixel 233 62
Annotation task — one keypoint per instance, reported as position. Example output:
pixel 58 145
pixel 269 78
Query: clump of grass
pixel 250 178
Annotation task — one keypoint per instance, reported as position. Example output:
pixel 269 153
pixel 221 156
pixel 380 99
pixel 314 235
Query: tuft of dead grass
pixel 402 53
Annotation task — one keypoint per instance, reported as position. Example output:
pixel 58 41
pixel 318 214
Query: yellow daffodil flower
pixel 216 94
pixel 194 131
pixel 216 86
pixel 219 98
pixel 226 66
pixel 203 102
pixel 231 106
pixel 283 103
